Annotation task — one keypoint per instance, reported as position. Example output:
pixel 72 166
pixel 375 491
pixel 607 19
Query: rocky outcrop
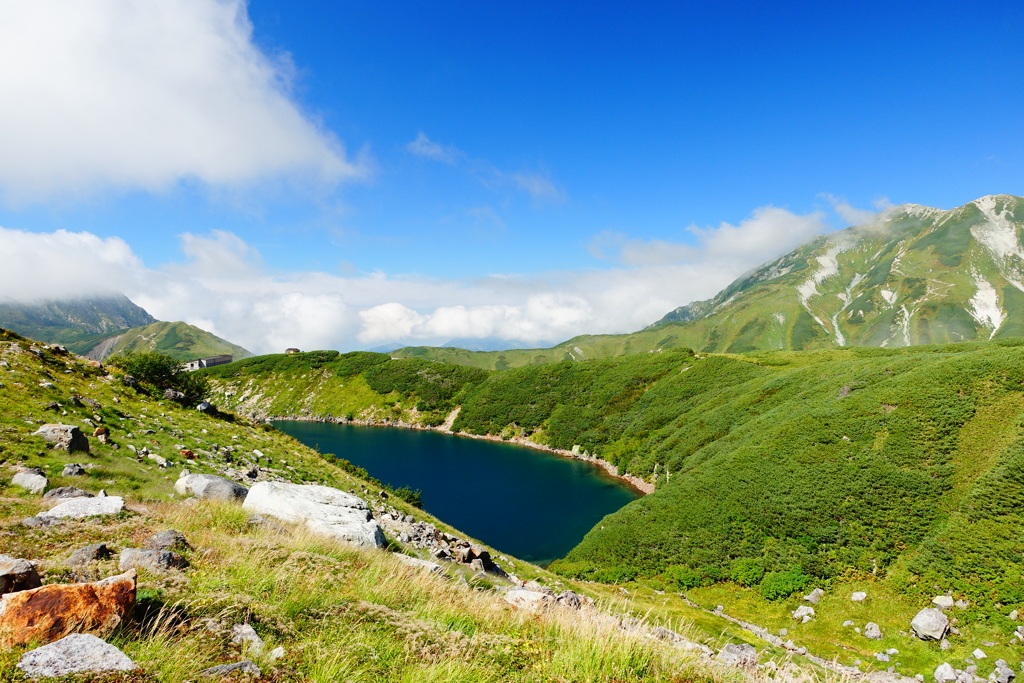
pixel 48 613
pixel 209 487
pixel 64 437
pixel 323 510
pixel 930 624
pixel 76 653
pixel 17 575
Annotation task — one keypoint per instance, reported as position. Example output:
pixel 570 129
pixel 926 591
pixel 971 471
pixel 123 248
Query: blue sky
pixel 387 167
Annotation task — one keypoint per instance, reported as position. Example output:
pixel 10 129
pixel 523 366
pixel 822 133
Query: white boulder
pixel 945 673
pixel 930 624
pixel 324 510
pixel 943 602
pixel 80 508
pixel 77 653
pixel 859 596
pixel 209 487
pixel 803 612
pixel 33 482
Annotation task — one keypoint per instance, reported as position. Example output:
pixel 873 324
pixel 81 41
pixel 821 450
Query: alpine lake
pixel 531 504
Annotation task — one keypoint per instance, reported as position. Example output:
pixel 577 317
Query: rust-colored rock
pixel 51 612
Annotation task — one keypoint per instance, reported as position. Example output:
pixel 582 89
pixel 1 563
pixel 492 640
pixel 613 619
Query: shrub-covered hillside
pixel 846 462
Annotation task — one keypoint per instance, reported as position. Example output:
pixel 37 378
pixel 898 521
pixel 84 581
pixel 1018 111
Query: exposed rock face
pixel 210 487
pixel 526 599
pixel 743 655
pixel 79 508
pixel 33 481
pixel 17 575
pixel 323 509
pixel 65 437
pixel 77 653
pixel 156 561
pixel 930 624
pixel 51 612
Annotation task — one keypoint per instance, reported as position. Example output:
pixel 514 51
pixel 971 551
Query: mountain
pixel 488 344
pixel 178 340
pixel 76 323
pixel 915 275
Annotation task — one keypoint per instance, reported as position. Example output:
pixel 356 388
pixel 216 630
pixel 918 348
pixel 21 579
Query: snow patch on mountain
pixel 985 305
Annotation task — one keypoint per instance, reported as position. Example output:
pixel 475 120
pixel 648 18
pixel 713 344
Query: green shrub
pixel 157 372
pixel 781 585
pixel 747 571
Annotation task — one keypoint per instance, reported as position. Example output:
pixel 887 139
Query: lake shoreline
pixel 636 483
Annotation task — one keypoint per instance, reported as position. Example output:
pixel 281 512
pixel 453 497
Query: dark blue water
pixel 531 504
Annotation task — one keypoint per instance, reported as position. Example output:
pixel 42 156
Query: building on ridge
pixel 209 362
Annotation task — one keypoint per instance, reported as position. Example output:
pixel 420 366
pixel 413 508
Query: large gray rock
pixel 77 653
pixel 210 487
pixel 943 602
pixel 168 540
pixel 930 624
pixel 156 561
pixel 872 632
pixel 1003 672
pixel 17 575
pixel 33 481
pixel 90 553
pixel 80 508
pixel 814 596
pixel 65 437
pixel 73 469
pixel 742 655
pixel 66 492
pixel 945 673
pixel 324 510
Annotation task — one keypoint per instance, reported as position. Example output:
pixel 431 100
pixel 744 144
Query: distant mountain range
pixel 98 327
pixel 915 275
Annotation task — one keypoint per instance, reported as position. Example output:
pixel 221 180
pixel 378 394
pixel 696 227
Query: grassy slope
pixel 341 614
pixel 178 340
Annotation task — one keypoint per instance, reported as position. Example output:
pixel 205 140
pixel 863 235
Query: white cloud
pixel 222 285
pixel 134 94
pixel 423 146
pixel 538 186
pixel 851 214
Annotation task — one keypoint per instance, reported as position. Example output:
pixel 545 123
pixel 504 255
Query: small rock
pixel 157 561
pixel 979 654
pixel 872 632
pixel 168 540
pixel 246 667
pixel 76 653
pixel 783 632
pixel 859 596
pixel 276 653
pixel 90 553
pixel 742 655
pixel 174 395
pixel 66 492
pixel 32 481
pixel 814 596
pixel 1013 615
pixel 17 575
pixel 930 624
pixel 527 599
pixel 945 673
pixel 944 644
pixel 72 469
pixel 246 635
pixel 266 523
pixel 1003 672
pixel 892 651
pixel 847 623
pixel 943 602
pixel 803 611
pixel 881 656
pixel 962 604
pixel 64 437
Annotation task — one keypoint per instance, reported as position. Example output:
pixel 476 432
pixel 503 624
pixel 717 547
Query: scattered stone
pixel 527 599
pixel 944 644
pixel 210 487
pixel 783 632
pixel 17 575
pixel 31 479
pixel 930 624
pixel 130 382
pixel 892 651
pixel 156 561
pixel 881 656
pixel 246 636
pixel 743 655
pixel 168 540
pixel 323 509
pixel 90 553
pixel 66 492
pixel 431 567
pixel 79 508
pixel 47 385
pixel 962 604
pixel 859 596
pixel 276 653
pixel 945 673
pixel 204 407
pixel 803 612
pixel 76 653
pixel 102 434
pixel 72 469
pixel 174 395
pixel 1003 672
pixel 64 437
pixel 979 654
pixel 848 623
pixel 161 462
pixel 943 602
pixel 50 612
pixel 814 596
pixel 1013 615
pixel 872 632
pixel 246 667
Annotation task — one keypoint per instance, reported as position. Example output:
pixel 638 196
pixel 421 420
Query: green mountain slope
pixel 78 324
pixel 178 340
pixel 916 276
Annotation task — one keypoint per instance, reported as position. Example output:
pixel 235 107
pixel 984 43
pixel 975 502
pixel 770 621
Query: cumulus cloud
pixel 222 285
pixel 133 94
pixel 853 215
